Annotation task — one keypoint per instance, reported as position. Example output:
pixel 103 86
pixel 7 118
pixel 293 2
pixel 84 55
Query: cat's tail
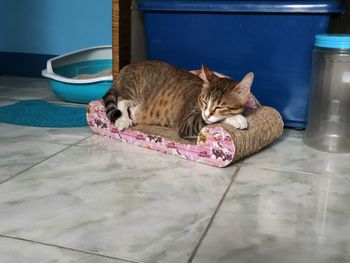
pixel 110 102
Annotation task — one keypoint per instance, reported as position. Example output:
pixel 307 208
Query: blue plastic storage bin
pixel 274 39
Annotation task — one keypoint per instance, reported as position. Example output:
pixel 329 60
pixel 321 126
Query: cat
pixel 157 93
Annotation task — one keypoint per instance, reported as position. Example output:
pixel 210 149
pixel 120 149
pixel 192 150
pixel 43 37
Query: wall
pixel 32 31
pixel 51 27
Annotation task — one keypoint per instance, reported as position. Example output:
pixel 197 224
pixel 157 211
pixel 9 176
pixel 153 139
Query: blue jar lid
pixel 333 41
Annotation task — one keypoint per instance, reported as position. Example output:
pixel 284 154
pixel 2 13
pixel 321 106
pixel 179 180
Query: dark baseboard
pixel 23 64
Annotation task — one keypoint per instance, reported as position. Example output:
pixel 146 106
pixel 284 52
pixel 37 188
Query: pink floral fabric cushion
pixel 214 145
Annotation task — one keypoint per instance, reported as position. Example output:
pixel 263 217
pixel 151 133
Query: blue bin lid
pixel 296 6
pixel 333 41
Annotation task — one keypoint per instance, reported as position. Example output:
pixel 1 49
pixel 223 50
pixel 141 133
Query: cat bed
pixel 217 144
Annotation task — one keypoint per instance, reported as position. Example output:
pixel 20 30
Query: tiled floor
pixel 70 196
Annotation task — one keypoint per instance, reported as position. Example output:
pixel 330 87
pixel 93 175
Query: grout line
pixel 45 159
pixel 10 99
pixel 68 248
pixel 282 170
pixel 63 144
pixel 206 230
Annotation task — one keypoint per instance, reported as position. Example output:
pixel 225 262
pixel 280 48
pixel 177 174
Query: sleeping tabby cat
pixel 156 93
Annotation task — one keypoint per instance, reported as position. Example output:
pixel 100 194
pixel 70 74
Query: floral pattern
pixel 214 145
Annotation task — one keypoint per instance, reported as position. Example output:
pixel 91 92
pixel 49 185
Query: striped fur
pixel 110 103
pixel 156 93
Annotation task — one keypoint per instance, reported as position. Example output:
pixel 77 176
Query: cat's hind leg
pixel 124 121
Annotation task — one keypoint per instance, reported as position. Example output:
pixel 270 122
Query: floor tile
pixel 23 88
pixel 16 156
pixel 139 158
pixel 276 216
pixel 19 251
pixel 16 133
pixel 102 200
pixel 291 154
pixel 292 133
pixel 100 143
pixel 130 203
pixel 5 102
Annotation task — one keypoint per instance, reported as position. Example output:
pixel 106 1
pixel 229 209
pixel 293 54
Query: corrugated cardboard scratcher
pixel 217 144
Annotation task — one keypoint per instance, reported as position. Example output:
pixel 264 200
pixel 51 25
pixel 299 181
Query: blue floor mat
pixel 40 113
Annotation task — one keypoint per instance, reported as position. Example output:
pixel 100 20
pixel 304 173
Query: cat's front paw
pixel 123 123
pixel 238 121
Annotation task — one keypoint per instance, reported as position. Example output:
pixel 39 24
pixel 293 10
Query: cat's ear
pixel 207 74
pixel 242 90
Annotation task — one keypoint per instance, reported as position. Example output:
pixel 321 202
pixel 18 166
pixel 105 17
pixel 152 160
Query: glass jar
pixel 328 126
